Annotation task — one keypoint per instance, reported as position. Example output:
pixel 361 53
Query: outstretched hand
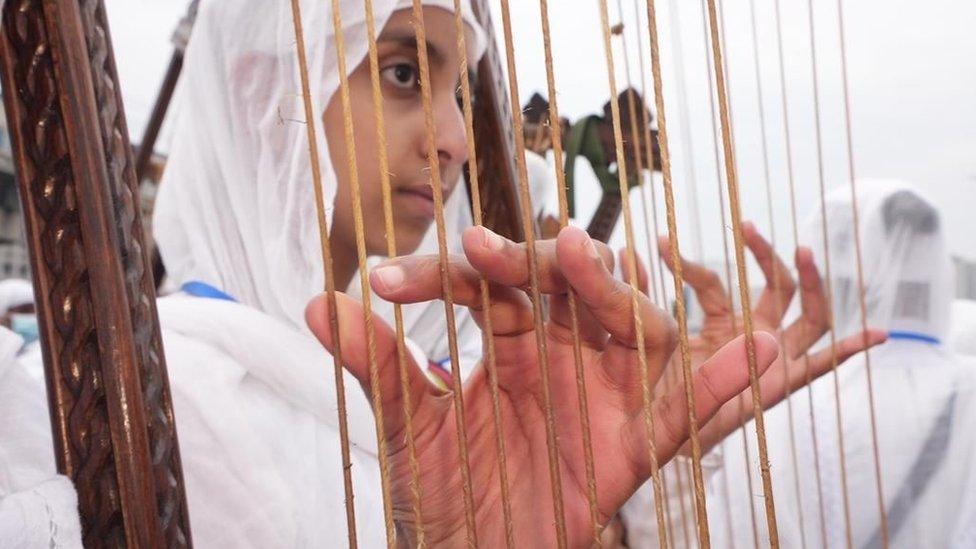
pixel 793 368
pixel 611 373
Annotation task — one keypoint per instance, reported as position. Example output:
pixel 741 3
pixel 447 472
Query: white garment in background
pixel 15 292
pixel 924 397
pixel 962 333
pixel 38 509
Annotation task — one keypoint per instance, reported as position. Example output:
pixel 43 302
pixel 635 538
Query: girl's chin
pixel 410 236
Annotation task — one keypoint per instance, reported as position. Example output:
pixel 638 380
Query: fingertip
pixel 748 228
pixel 571 234
pixel 767 349
pixel 804 256
pixel 317 319
pixel 573 241
pixel 482 239
pixel 663 241
pixel 472 238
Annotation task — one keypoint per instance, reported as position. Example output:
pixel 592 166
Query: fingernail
pixel 389 278
pixel 491 240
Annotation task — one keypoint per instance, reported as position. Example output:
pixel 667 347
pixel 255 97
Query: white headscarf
pixel 235 207
pixel 906 268
pixel 15 292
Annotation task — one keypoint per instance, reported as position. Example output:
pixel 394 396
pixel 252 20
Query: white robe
pixel 924 405
pixel 256 418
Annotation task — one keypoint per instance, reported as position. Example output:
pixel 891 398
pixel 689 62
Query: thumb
pixel 341 328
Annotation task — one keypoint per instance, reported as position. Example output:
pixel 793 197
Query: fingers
pixel 822 362
pixel 780 287
pixel 705 282
pixel 415 279
pixel 814 319
pixel 611 302
pixel 506 262
pixel 720 379
pixel 355 354
pixel 642 278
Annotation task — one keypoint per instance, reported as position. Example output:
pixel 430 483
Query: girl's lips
pixel 420 199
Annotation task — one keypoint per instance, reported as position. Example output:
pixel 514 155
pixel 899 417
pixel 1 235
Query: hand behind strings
pixel 793 368
pixel 613 384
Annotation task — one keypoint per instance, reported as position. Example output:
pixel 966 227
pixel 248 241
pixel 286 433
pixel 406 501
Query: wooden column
pixel 111 414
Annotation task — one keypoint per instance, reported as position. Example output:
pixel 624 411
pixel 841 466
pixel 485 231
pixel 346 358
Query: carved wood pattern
pixel 167 469
pixel 79 416
pixel 111 415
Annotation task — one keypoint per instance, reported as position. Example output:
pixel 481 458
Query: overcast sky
pixel 913 82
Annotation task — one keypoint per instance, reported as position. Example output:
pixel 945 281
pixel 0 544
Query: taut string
pixel 699 488
pixel 860 274
pixel 357 212
pixel 734 207
pixel 487 332
pixel 403 361
pixel 328 272
pixel 557 150
pixel 536 297
pixel 796 244
pixel 827 274
pixel 433 162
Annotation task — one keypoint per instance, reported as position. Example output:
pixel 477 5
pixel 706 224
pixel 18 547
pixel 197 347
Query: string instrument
pixel 105 369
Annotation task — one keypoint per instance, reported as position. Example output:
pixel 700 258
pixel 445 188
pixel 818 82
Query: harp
pixel 109 398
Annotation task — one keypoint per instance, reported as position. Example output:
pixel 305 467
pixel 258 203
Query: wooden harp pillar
pixel 108 392
pixel 495 139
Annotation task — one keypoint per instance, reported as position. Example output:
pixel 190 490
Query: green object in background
pixel 584 140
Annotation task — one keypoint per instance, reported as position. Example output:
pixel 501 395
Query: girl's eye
pixel 401 75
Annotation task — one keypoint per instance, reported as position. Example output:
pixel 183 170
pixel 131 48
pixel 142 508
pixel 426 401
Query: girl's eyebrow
pixel 407 39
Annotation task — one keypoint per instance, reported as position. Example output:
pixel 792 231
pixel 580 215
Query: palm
pixel 619 434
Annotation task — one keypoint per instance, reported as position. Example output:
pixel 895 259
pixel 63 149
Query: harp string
pixel 691 173
pixel 720 193
pixel 818 144
pixel 777 283
pixel 536 298
pixel 655 275
pixel 487 331
pixel 327 262
pixel 699 489
pixel 860 273
pixel 796 243
pixel 681 96
pixel 647 392
pixel 746 450
pixel 357 212
pixel 734 206
pixel 433 162
pixel 391 248
pixel 557 149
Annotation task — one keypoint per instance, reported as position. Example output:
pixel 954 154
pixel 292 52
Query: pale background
pixel 913 84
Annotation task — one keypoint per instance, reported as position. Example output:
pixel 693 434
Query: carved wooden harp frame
pixel 107 385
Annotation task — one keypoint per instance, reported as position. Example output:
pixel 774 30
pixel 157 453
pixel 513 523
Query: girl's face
pixel 413 205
